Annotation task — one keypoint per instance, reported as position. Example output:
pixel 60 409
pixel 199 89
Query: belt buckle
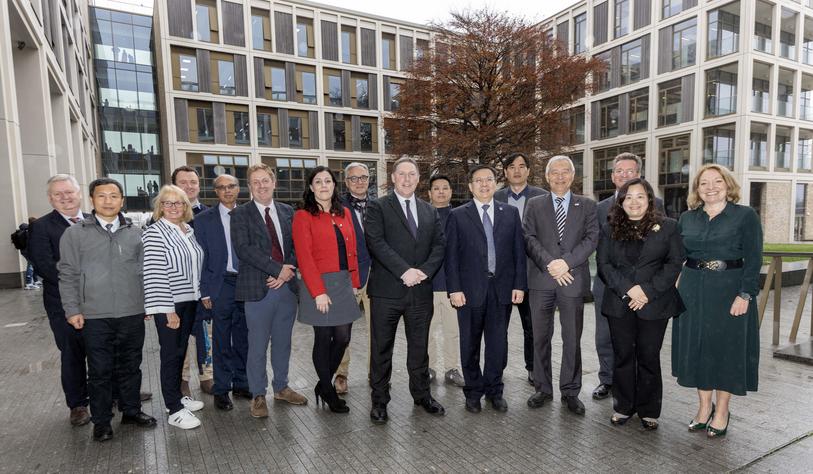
pixel 714 265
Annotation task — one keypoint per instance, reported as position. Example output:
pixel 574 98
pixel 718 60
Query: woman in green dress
pixel 715 343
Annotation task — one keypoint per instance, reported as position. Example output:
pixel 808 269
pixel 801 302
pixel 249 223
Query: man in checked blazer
pixel 261 235
pixel 561 231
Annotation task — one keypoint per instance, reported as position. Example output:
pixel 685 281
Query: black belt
pixel 713 265
pixel 230 274
pixel 490 274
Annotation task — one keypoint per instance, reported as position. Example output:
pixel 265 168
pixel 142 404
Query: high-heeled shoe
pixel 328 395
pixel 695 426
pixel 713 432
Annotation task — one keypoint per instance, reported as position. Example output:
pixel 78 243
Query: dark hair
pixel 180 169
pixel 309 198
pixel 621 227
pixel 436 177
pixel 506 162
pixel 102 182
pixel 481 167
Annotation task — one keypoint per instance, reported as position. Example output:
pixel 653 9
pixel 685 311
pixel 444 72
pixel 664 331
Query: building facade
pixel 290 84
pixel 690 82
pixel 47 103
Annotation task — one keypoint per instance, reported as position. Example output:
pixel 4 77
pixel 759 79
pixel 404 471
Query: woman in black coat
pixel 640 255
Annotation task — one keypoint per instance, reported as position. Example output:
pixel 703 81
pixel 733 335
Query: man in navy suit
pixel 357 180
pixel 485 275
pixel 217 283
pixel 65 198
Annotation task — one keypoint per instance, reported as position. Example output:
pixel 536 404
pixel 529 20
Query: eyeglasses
pixel 488 180
pixel 171 204
pixel 224 187
pixel 628 172
pixel 358 179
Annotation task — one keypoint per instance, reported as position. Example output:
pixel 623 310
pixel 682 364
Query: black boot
pixel 327 393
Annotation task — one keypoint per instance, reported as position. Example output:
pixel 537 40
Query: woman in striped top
pixel 172 267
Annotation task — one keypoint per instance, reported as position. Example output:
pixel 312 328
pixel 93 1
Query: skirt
pixel 343 309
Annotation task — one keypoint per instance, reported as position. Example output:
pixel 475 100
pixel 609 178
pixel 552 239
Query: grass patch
pixel 786 248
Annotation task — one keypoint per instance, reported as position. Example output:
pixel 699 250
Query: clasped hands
pixel 285 275
pixel 560 271
pixel 637 298
pixel 458 298
pixel 413 277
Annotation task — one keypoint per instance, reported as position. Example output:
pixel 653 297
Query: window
pixel 388 51
pixel 366 136
pixel 718 145
pixel 201 122
pixel 602 78
pixel 684 44
pixel 721 90
pixel 806 98
pixel 206 21
pixel 784 93
pixel 225 73
pixel 421 48
pixel 349 44
pixel 309 88
pixel 787 34
pixel 631 62
pixel 186 78
pixel 278 89
pixel 673 173
pixel 260 30
pixel 304 38
pixel 362 99
pixel 760 88
pixel 292 174
pixel 395 91
pixel 339 135
pixel 333 87
pixel 671 8
pixel 759 146
pixel 237 125
pixel 580 34
pixel 608 121
pixel 724 30
pixel 574 120
pixel 804 151
pixel 782 148
pixel 603 166
pixel 267 127
pixel 639 110
pixel 807 41
pixel 622 14
pixel 670 105
pixel 762 27
pixel 295 132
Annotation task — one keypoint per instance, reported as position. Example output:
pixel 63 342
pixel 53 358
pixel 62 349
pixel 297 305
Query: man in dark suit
pixel 485 274
pixel 261 236
pixel 517 192
pixel 217 283
pixel 405 238
pixel 626 166
pixel 64 196
pixel 561 232
pixel 357 180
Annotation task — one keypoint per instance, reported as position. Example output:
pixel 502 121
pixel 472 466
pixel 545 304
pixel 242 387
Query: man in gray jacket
pixel 103 296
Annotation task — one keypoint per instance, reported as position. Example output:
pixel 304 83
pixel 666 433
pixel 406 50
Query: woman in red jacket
pixel 325 245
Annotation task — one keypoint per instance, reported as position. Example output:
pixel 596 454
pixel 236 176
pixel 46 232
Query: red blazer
pixel 317 251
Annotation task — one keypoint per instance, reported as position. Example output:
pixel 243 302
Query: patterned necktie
pixel 560 216
pixel 74 220
pixel 109 227
pixel 359 205
pixel 489 229
pixel 413 226
pixel 276 248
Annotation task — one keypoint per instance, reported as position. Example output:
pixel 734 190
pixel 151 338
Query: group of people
pixel 242 275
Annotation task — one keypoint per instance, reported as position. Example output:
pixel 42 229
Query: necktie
pixel 234 257
pixel 359 205
pixel 74 220
pixel 109 227
pixel 489 229
pixel 413 226
pixel 560 216
pixel 276 248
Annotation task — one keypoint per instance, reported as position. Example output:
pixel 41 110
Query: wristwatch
pixel 625 298
pixel 745 296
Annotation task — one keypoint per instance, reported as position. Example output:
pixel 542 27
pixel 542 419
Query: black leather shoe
pixel 141 419
pixel 499 404
pixel 538 399
pixel 223 402
pixel 379 414
pixel 431 406
pixel 473 406
pixel 602 391
pixel 102 433
pixel 242 393
pixel 573 404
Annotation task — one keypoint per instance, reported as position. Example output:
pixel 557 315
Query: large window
pixel 395 90
pixel 621 20
pixel 580 34
pixel 631 62
pixel 724 30
pixel 671 8
pixel 760 88
pixel 787 34
pixel 304 38
pixel 763 19
pixel 602 78
pixel 260 30
pixel 366 136
pixel 608 121
pixel 388 51
pixel 639 110
pixel 201 122
pixel 718 145
pixel 574 120
pixel 784 93
pixel 684 44
pixel 308 87
pixel 340 135
pixel 185 71
pixel 603 166
pixel 804 151
pixel 225 74
pixel 333 87
pixel 349 45
pixel 807 40
pixel 278 89
pixel 670 106
pixel 237 125
pixel 362 93
pixel 806 98
pixel 295 132
pixel 206 21
pixel 759 145
pixel 721 91
pixel 673 173
pixel 267 127
pixel 782 148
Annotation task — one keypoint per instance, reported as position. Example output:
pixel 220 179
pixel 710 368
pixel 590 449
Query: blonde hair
pixel 166 191
pixel 732 187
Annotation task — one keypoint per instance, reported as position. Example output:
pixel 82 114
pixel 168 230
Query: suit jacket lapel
pixel 648 240
pixel 474 215
pixel 258 222
pixel 574 213
pixel 399 211
pixel 284 227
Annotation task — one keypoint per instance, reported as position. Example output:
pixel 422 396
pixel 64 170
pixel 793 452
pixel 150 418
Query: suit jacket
pixel 211 235
pixel 394 250
pixel 656 269
pixel 43 250
pixel 251 242
pixel 542 242
pixel 361 243
pixel 467 254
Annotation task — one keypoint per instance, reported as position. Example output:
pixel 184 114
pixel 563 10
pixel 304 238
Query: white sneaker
pixel 30 286
pixel 184 419
pixel 191 404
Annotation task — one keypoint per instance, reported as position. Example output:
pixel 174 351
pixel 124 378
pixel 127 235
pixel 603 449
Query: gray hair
pixel 62 177
pixel 628 156
pixel 356 164
pixel 226 176
pixel 558 158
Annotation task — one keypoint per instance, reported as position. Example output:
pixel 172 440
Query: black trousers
pixel 384 316
pixel 571 319
pixel 229 340
pixel 173 344
pixel 488 322
pixel 114 348
pixel 73 370
pixel 524 310
pixel 329 343
pixel 637 384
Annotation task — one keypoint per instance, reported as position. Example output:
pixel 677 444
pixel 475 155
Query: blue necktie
pixel 413 226
pixel 489 229
pixel 560 217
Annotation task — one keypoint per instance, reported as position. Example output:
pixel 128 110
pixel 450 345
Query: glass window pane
pixel 225 71
pixel 295 132
pixel 256 32
pixel 278 90
pixel 202 22
pixel 335 90
pixel 309 87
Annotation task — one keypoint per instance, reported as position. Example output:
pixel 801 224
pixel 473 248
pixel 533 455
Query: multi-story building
pixel 289 84
pixel 692 82
pixel 47 103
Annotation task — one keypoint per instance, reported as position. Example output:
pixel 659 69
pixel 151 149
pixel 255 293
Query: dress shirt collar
pixel 519 195
pixel 103 223
pixel 78 215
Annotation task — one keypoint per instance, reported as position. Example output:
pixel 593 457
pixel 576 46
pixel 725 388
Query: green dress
pixel 711 349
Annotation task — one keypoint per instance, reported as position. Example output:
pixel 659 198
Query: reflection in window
pixel 362 99
pixel 684 44
pixel 787 34
pixel 759 145
pixel 580 34
pixel 782 146
pixel 205 125
pixel 671 8
pixel 278 90
pixel 806 98
pixel 718 145
pixel 638 110
pixel 602 78
pixel 257 36
pixel 395 90
pixel 335 90
pixel 339 139
pixel 804 151
pixel 721 91
pixel 608 121
pixel 204 32
pixel 762 27
pixel 724 30
pixel 784 93
pixel 760 88
pixel 631 62
pixel 366 136
pixel 670 107
pixel 347 38
pixel 622 14
pixel 225 70
pixel 242 136
pixel 295 132
pixel 308 88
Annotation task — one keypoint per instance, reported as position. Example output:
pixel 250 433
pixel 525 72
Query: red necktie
pixel 74 220
pixel 276 248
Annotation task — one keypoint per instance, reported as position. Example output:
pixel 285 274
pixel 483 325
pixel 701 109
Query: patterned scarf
pixel 359 205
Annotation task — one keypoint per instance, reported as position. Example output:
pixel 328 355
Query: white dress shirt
pixel 225 218
pixel 104 223
pixel 490 211
pixel 413 208
pixel 275 218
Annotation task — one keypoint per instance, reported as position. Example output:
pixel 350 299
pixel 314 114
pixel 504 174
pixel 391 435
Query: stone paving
pixel 771 430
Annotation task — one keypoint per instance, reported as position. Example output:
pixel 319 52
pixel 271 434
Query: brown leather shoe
pixel 185 389
pixel 340 384
pixel 288 395
pixel 207 387
pixel 80 416
pixel 259 408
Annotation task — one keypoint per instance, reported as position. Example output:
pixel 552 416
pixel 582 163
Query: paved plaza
pixel 771 430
